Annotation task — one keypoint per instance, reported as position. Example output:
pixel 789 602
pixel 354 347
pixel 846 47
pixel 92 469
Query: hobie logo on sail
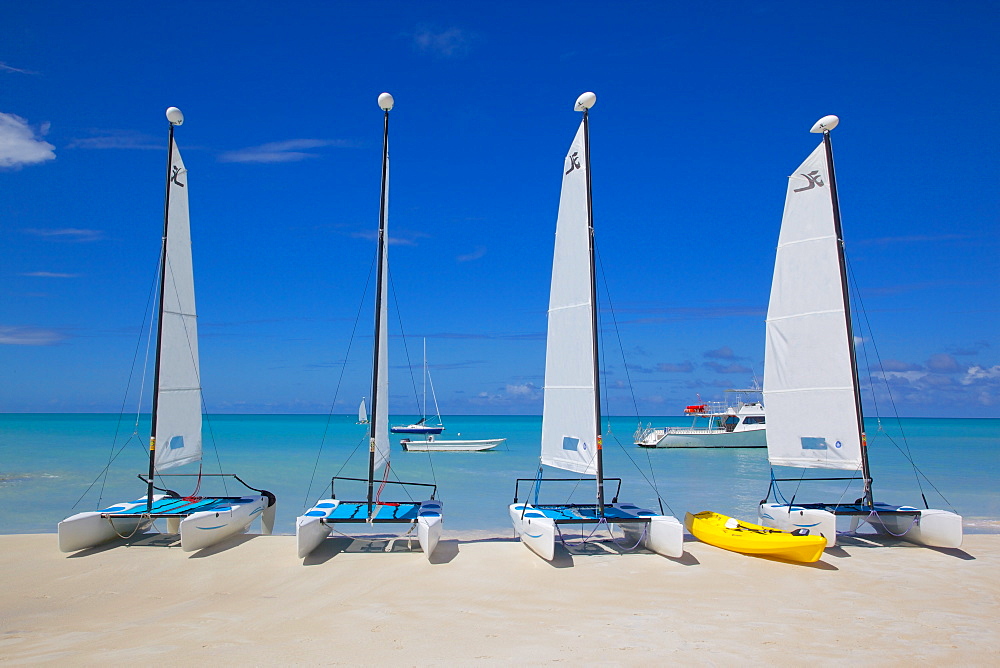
pixel 573 159
pixel 173 177
pixel 815 179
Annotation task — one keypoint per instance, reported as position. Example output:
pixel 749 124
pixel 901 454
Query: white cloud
pixel 121 139
pixel 20 144
pixel 69 234
pixel 978 374
pixel 292 150
pixel 4 67
pixel 28 336
pixel 49 274
pixel 446 43
pixel 474 255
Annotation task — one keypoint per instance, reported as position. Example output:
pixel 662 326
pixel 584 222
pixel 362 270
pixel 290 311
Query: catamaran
pixel 312 528
pixel 811 387
pixel 175 437
pixel 571 415
pixel 362 412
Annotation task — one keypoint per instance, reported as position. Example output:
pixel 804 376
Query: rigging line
pixel 336 392
pixel 652 483
pixel 402 335
pixel 403 485
pixel 121 411
pixel 362 441
pixel 888 390
pixel 154 316
pixel 430 458
pixel 628 379
pixel 614 320
pixel 104 472
pixel 409 365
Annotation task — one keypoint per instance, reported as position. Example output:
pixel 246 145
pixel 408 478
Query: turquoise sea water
pixel 48 461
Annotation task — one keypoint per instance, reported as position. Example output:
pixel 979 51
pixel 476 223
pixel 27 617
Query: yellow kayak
pixel 731 534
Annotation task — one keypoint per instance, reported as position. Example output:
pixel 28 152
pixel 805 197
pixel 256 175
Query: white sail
pixel 569 420
pixel 362 412
pixel 178 415
pixel 381 412
pixel 808 383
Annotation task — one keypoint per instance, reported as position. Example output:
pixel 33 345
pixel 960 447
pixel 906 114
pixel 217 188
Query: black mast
pixel 865 471
pixel 159 317
pixel 593 319
pixel 378 304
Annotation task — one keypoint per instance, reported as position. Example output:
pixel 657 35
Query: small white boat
pixel 714 424
pixel 362 412
pixel 460 445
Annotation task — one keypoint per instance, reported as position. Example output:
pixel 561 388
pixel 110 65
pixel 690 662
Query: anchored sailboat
pixel 175 437
pixel 421 426
pixel 571 417
pixel 318 522
pixel 814 414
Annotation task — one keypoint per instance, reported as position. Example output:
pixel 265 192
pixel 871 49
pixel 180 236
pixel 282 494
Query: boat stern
pixel 535 530
pixel 789 518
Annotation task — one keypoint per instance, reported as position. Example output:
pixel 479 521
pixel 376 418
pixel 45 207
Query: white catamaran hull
pixel 926 526
pixel 934 528
pixel 790 518
pixel 429 526
pixel 89 529
pixel 535 530
pixel 311 529
pixel 204 529
pixel 434 445
pixel 197 531
pixel 662 534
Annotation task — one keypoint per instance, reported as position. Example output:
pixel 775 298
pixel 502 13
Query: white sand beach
pixel 251 602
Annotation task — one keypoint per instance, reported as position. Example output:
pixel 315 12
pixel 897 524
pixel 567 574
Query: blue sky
pixel 702 112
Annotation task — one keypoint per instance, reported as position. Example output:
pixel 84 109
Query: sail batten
pixel 178 413
pixel 569 422
pixel 808 372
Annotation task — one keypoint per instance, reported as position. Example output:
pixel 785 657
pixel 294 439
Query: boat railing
pixel 145 478
pixel 517 484
pixel 648 434
pixel 709 407
pixel 691 430
pixel 335 478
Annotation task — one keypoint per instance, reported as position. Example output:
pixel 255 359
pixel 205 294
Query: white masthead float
pixel 175 433
pixel 571 416
pixel 811 387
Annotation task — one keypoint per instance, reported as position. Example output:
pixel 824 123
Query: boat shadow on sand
pixel 870 540
pixel 445 552
pixel 164 540
pixel 575 546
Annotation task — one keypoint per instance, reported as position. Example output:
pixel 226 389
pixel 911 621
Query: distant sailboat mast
pixel 828 145
pixel 379 417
